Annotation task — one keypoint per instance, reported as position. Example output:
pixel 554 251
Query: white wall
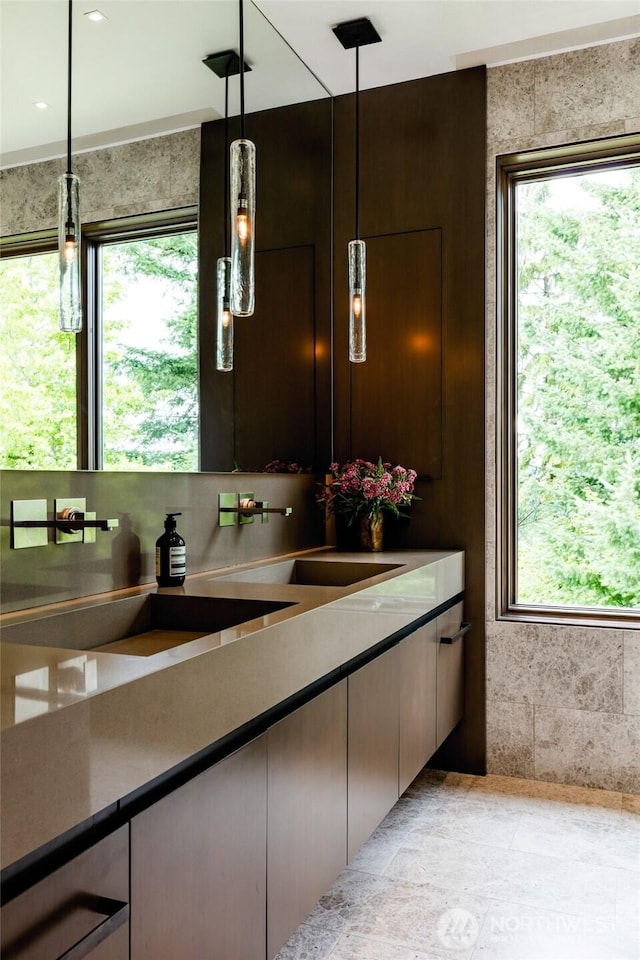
pixel 563 702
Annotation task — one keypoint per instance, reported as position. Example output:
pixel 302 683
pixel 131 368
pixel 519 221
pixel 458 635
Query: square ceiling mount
pixel 225 64
pixel 356 33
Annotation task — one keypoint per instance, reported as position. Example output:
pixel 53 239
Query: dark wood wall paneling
pixel 419 398
pixel 277 402
pixel 422 205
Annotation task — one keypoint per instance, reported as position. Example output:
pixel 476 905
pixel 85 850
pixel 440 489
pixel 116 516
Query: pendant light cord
pixel 357 143
pixel 242 130
pixel 69 89
pixel 226 160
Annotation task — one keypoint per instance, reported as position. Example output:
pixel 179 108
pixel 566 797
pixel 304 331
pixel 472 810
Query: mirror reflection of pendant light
pixel 224 316
pixel 69 223
pixel 243 207
pixel 357 33
pixel 225 64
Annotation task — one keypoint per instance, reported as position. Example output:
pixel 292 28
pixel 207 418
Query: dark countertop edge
pixel 24 873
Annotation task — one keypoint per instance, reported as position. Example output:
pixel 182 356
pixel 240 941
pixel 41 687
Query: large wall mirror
pixel 152 399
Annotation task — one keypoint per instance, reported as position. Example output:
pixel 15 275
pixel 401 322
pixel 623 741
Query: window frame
pixel 95 236
pixel 511 169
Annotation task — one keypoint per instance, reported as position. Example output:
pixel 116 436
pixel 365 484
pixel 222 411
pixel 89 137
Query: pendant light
pixel 225 64
pixel 243 207
pixel 357 33
pixel 69 223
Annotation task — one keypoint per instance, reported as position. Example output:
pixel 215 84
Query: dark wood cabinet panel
pixel 423 168
pixel 396 396
pixel 198 865
pixel 372 747
pixel 72 904
pixel 418 683
pixel 307 798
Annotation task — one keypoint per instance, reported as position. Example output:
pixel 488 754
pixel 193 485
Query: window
pixel 38 421
pixel 571 387
pixel 133 403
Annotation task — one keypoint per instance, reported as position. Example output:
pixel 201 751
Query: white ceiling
pixel 139 72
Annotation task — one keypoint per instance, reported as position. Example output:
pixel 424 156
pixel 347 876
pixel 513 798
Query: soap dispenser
pixel 171 555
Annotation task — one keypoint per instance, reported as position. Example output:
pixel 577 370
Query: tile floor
pixel 487 868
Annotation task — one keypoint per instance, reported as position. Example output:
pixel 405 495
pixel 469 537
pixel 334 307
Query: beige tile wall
pixel 563 703
pixel 160 173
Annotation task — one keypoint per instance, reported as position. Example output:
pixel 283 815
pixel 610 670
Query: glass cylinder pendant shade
pixel 357 301
pixel 243 221
pixel 224 317
pixel 69 252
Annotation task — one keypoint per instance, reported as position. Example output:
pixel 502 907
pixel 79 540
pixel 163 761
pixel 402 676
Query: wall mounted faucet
pixel 30 522
pixel 241 508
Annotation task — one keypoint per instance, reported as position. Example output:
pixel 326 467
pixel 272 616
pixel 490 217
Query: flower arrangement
pixel 361 488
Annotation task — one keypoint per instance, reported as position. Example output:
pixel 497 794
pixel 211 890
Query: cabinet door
pixel 307 819
pixel 372 747
pixel 418 655
pixel 450 696
pixel 85 904
pixel 198 866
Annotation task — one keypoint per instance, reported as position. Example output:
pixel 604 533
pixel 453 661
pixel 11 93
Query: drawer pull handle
pixel 465 626
pixel 117 914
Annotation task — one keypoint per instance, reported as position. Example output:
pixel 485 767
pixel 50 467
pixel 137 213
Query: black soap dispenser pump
pixel 171 555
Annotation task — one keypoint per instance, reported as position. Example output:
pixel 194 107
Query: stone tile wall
pixel 563 701
pixel 160 173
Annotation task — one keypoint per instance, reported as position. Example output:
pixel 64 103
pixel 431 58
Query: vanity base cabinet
pixel 372 769
pixel 198 865
pixel 83 904
pixel 450 694
pixel 307 803
pixel 418 663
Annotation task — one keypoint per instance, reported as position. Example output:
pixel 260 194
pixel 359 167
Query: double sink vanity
pixel 187 770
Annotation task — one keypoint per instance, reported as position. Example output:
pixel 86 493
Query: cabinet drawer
pixel 372 749
pixel 450 692
pixel 80 910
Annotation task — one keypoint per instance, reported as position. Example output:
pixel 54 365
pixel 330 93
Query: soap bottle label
pixel 177 561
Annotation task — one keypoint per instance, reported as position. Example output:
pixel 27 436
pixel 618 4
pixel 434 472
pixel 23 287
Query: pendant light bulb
pixel 69 222
pixel 243 235
pixel 357 253
pixel 224 317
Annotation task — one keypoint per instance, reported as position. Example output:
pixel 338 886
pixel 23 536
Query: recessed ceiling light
pixel 40 105
pixel 95 16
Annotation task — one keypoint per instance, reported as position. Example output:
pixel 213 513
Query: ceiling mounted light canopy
pixel 242 193
pixel 69 222
pixel 225 65
pixel 355 34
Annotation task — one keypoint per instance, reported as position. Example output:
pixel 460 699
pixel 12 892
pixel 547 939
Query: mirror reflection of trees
pixel 149 360
pixel 578 396
pixel 150 344
pixel 37 369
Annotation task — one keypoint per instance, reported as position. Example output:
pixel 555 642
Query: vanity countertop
pixel 83 729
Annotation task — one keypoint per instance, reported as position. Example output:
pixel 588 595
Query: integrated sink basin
pixel 312 573
pixel 140 626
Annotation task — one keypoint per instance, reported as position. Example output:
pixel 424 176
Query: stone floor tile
pixel 539 796
pixel 352 947
pixel 615 843
pixel 525 878
pixel 309 943
pixel 472 818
